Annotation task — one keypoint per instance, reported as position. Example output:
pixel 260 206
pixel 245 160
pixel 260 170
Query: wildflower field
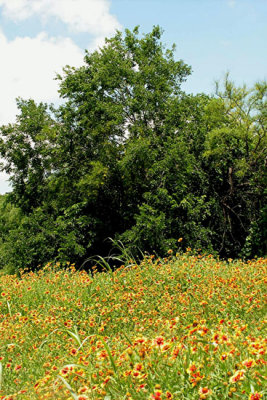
pixel 183 327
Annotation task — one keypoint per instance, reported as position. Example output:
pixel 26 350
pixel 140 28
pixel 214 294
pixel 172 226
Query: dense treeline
pixel 130 156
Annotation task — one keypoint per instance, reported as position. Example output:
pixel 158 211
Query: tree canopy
pixel 131 156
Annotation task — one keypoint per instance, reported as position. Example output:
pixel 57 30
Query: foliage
pixel 236 151
pixel 130 156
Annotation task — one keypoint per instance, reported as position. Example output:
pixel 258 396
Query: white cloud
pixel 90 16
pixel 4 185
pixel 29 65
pixel 28 68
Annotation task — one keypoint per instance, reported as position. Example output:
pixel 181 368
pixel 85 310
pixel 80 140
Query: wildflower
pixel 80 372
pixel 159 341
pixel 196 378
pixel 64 371
pixel 216 337
pixel 249 363
pixel 204 392
pixel 192 368
pixel 138 367
pixel 238 375
pixel 204 331
pixel 169 395
pixel 156 395
pixel 255 396
pixel 83 389
pixel 141 387
pixel 106 380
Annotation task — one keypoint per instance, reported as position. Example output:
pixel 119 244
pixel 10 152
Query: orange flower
pixel 238 375
pixel 249 363
pixel 159 341
pixel 169 395
pixel 142 386
pixel 255 396
pixel 106 380
pixel 204 392
pixel 138 367
pixel 83 389
pixel 196 378
pixel 157 395
pixel 64 371
pixel 192 368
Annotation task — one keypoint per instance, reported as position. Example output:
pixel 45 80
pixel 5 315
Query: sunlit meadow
pixel 183 327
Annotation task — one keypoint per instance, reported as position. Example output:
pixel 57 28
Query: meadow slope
pixel 184 327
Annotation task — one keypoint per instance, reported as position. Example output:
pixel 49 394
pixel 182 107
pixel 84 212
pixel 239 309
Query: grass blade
pixel 109 354
pixel 9 309
pixel 73 394
pixel 75 335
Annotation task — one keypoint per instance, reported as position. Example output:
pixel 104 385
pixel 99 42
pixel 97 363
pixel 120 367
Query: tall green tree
pixel 129 155
pixel 65 164
pixel 118 108
pixel 27 148
pixel 236 151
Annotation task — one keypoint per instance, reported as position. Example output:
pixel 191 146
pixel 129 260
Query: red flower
pixel 248 363
pixel 204 392
pixel 157 395
pixel 255 396
pixel 159 341
pixel 238 375
pixel 169 395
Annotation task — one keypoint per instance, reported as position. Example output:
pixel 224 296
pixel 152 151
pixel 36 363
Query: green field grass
pixel 183 327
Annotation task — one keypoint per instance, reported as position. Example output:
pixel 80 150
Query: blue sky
pixel 39 37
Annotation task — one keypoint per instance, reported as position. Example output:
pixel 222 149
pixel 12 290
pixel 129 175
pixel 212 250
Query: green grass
pixel 185 327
